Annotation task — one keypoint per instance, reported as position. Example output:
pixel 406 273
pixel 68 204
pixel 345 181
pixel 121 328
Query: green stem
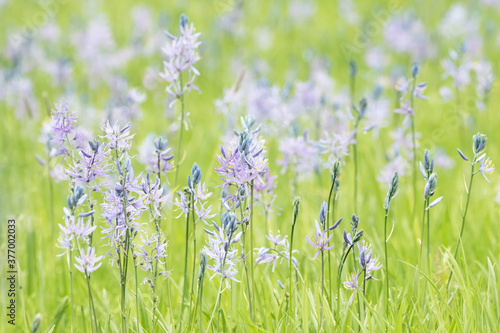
pixel 185 264
pixel 194 261
pixel 91 307
pixel 251 238
pixel 386 267
pixel 290 266
pixel 181 130
pixel 217 304
pixel 71 283
pixel 322 291
pixel 464 215
pixel 137 296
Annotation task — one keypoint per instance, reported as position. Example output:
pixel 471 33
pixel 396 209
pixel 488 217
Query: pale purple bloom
pixel 88 262
pixel 155 197
pixel 276 240
pixel 321 240
pixel 336 145
pixel 118 138
pixel 150 250
pixel 352 284
pixel 267 255
pixel 264 195
pixel 299 154
pixel 181 54
pixel 240 166
pixel 406 110
pixel 89 167
pixel 486 167
pixel 64 130
pixel 418 92
pixel 402 84
pixel 458 68
pixel 366 260
pixel 221 249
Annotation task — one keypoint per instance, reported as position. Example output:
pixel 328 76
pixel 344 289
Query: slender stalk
pixel 217 304
pixel 245 263
pixel 290 268
pixel 181 130
pixel 327 226
pixel 194 261
pixel 185 263
pixel 428 236
pixel 357 294
pixel 339 276
pixel 386 266
pixel 355 156
pixel 322 291
pixel 91 307
pixel 414 144
pixel 364 290
pixel 251 238
pixel 72 298
pixel 464 215
pixel 137 297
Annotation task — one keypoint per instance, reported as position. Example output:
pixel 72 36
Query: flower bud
pixel 296 207
pixel 35 325
pixel 353 68
pixel 183 21
pixel 323 212
pixel 479 141
pixel 430 186
pixel 203 265
pixel 195 174
pixel 415 70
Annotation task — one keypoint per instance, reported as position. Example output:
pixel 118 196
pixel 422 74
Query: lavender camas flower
pixel 181 54
pixel 88 262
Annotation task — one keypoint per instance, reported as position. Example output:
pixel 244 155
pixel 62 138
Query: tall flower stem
pixel 251 237
pixel 194 261
pixel 217 304
pixel 137 297
pixel 181 131
pixel 364 290
pixel 91 306
pixel 322 291
pixel 71 284
pixel 339 276
pixel 244 257
pixel 386 266
pixel 357 294
pixel 184 288
pixel 464 215
pixel 332 193
pixel 296 206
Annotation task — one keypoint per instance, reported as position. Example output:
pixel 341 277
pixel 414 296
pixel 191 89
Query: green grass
pixel 470 305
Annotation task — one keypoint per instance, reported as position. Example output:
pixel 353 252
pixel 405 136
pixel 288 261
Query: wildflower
pixel 353 285
pixel 406 110
pixel 64 130
pixel 402 84
pixel 367 262
pixel 88 262
pixel 418 92
pixel 118 139
pixel 321 240
pixel 89 167
pixel 485 167
pixel 181 54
